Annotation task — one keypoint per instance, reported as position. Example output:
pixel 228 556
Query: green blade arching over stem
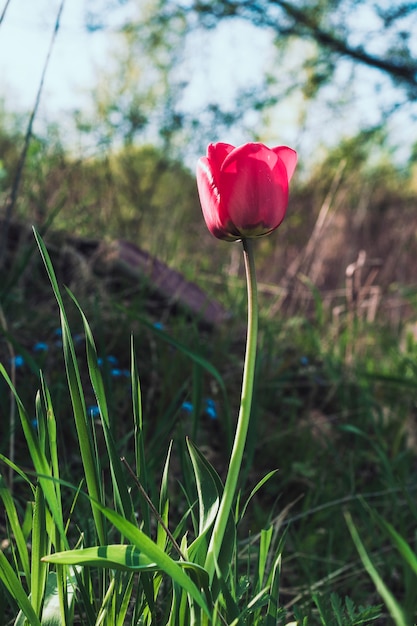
pixel 77 396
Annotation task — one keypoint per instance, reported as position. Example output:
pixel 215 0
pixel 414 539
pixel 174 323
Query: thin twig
pixel 153 508
pixel 6 6
pixel 11 200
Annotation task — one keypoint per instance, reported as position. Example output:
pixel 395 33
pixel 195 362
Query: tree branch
pixel 304 24
pixel 406 72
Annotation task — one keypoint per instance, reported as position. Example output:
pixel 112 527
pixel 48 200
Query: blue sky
pixel 217 62
pixel 25 35
pixel 26 32
pixel 78 58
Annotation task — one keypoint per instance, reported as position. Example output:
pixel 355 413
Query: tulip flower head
pixel 244 191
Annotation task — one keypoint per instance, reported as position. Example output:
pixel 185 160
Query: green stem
pixel 244 415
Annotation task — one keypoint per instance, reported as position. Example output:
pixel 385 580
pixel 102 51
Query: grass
pixel 332 533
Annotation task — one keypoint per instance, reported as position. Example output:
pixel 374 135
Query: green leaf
pixel 337 608
pixel 51 614
pixel 77 396
pixel 15 468
pixel 145 545
pixel 39 459
pixel 264 545
pixel 15 588
pixel 208 501
pixel 140 458
pixel 392 605
pixel 399 542
pixel 121 493
pixel 255 490
pixel 228 546
pixel 121 617
pixel 15 528
pixel 119 557
pixel 161 538
pixel 273 603
pixel 39 547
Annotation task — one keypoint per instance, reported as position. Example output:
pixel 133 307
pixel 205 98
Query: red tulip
pixel 244 191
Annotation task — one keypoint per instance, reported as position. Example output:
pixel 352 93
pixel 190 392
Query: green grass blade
pixel 140 459
pixel 37 450
pixel 48 438
pixel 392 605
pixel 399 542
pixel 39 548
pixel 88 455
pixel 208 502
pixel 39 460
pixel 263 553
pixel 124 595
pixel 229 542
pixel 154 553
pixel 52 609
pixel 16 469
pixel 143 543
pixel 132 558
pixel 120 557
pixel 16 529
pixel 15 588
pixel 77 397
pixel 273 610
pixel 255 490
pixel 52 434
pixel 161 536
pixel 120 485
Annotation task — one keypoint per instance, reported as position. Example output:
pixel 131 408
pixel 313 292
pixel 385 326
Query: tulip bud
pixel 244 191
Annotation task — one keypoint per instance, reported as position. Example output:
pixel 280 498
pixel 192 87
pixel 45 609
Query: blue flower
pixel 159 326
pixel 112 360
pixel 18 360
pixel 93 411
pixel 210 408
pixel 187 407
pixel 41 346
pixel 58 334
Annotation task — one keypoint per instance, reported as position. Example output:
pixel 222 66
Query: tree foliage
pixel 320 51
pixel 376 34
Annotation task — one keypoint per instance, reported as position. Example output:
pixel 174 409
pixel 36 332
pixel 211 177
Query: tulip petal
pixel 254 184
pixel 208 192
pixel 215 216
pixel 289 156
pixel 217 152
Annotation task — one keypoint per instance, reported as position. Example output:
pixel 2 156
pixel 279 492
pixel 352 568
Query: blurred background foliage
pixel 122 166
